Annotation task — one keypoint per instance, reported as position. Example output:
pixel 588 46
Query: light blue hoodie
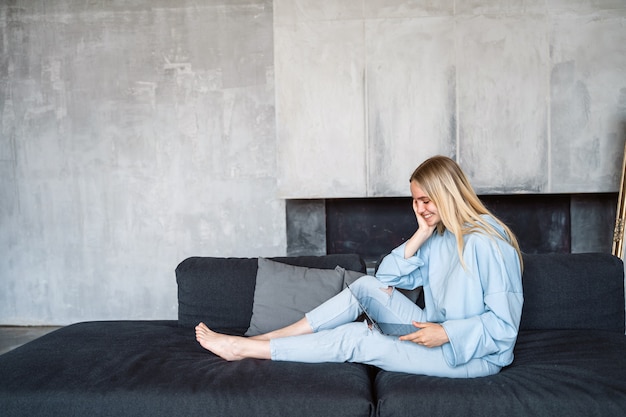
pixel 479 305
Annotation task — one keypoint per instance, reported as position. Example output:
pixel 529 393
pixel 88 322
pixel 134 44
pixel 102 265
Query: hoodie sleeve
pixel 493 332
pixel 397 271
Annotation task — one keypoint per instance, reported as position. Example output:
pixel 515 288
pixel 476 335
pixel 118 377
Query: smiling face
pixel 425 206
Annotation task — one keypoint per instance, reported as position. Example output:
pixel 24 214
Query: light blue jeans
pixel 337 338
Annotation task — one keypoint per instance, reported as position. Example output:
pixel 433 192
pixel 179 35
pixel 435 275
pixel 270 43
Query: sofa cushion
pixel 573 291
pixel 216 291
pixel 554 373
pixel 283 293
pixel 220 291
pixel 156 368
pixel 350 276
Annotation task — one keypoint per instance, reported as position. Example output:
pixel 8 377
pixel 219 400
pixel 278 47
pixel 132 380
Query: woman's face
pixel 424 205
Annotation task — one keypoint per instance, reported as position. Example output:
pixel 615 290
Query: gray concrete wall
pixel 529 96
pixel 133 134
pixel 136 133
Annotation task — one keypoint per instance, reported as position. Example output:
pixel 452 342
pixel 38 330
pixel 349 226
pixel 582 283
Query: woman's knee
pixel 370 287
pixel 366 283
pixel 351 338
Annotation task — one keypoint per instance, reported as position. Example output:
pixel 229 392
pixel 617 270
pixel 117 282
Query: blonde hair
pixel 459 207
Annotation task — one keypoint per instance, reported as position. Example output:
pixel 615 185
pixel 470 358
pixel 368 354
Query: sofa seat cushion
pixel 156 368
pixel 564 373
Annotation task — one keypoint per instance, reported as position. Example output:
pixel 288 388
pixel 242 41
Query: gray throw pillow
pixel 349 276
pixel 283 293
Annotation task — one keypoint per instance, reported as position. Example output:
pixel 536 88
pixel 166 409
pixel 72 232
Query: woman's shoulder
pixel 479 235
pixel 491 220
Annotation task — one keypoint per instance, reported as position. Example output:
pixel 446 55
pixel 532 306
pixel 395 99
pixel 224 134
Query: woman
pixel 469 264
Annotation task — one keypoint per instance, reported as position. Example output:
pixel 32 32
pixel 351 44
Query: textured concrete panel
pixel 407 8
pixel 289 12
pixel 411 96
pixel 583 6
pixel 588 101
pixel 502 103
pixel 507 102
pixel 134 134
pixel 320 109
pixel 499 7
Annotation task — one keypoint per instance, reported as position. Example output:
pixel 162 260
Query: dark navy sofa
pixel 570 358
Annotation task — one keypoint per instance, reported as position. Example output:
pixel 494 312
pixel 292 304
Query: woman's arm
pixel 401 267
pixel 397 271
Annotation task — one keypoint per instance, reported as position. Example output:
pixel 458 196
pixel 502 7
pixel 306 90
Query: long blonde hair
pixel 459 207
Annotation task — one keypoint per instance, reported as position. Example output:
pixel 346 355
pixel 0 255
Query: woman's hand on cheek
pixel 421 221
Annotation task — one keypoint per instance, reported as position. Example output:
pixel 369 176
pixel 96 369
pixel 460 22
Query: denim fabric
pixel 337 338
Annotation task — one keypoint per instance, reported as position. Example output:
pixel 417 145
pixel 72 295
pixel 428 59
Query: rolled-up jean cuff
pixel 272 350
pixel 314 326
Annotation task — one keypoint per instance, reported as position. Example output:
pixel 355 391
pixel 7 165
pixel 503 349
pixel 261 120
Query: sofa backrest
pixel 561 291
pixel 220 291
pixel 573 291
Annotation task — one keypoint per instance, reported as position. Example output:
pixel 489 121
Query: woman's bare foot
pixel 298 328
pixel 231 348
pixel 222 345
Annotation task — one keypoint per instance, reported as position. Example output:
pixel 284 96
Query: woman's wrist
pixel 414 243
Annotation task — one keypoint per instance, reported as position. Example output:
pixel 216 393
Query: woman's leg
pixel 235 347
pixel 339 310
pixel 300 327
pixel 383 306
pixel 356 342
pixel 386 306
